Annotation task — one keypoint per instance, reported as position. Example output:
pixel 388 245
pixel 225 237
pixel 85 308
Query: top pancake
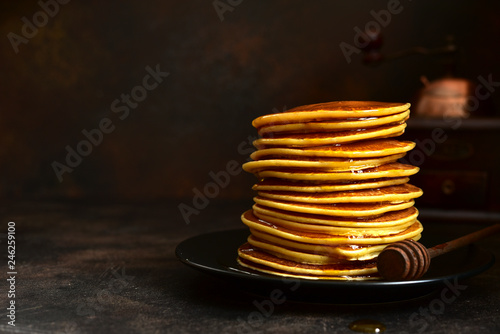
pixel 332 110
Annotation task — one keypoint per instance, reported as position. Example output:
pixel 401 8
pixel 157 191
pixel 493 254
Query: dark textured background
pixel 263 56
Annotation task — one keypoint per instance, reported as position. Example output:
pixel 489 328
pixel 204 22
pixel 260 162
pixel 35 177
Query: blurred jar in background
pixel 453 97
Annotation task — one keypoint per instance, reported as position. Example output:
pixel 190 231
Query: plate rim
pixel 244 274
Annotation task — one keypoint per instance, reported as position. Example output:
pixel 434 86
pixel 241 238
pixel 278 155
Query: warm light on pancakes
pixel 387 194
pixel 310 174
pixel 389 219
pixel 335 125
pixel 331 194
pixel 337 164
pixel 365 149
pixel 326 138
pixel 332 110
pixel 306 186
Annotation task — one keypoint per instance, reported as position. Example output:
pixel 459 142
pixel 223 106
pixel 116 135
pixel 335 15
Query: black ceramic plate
pixel 215 253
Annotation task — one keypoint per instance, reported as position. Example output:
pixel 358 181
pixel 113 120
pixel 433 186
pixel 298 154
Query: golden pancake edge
pixel 334 125
pixel 332 110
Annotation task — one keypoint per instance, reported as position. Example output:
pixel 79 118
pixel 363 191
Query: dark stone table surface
pixel 111 268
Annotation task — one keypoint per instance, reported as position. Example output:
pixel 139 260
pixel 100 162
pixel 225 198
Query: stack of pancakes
pixel 331 194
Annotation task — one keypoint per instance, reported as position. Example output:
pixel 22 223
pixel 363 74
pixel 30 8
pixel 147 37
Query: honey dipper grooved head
pixel 405 260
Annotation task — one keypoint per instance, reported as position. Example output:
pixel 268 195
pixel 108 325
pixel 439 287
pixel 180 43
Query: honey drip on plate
pixel 367 326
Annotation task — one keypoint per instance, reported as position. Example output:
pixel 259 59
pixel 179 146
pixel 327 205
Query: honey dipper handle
pixel 463 241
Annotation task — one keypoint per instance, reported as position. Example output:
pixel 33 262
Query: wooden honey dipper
pixel 409 259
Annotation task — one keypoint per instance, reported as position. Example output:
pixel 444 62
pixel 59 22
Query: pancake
pixel 399 193
pixel 387 220
pixel 320 139
pixel 316 242
pixel 334 125
pixel 363 149
pixel 256 259
pixel 274 184
pixel 321 254
pixel 388 170
pixel 315 254
pixel 336 209
pixel 353 232
pixel 331 110
pixel 256 224
pixel 337 164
